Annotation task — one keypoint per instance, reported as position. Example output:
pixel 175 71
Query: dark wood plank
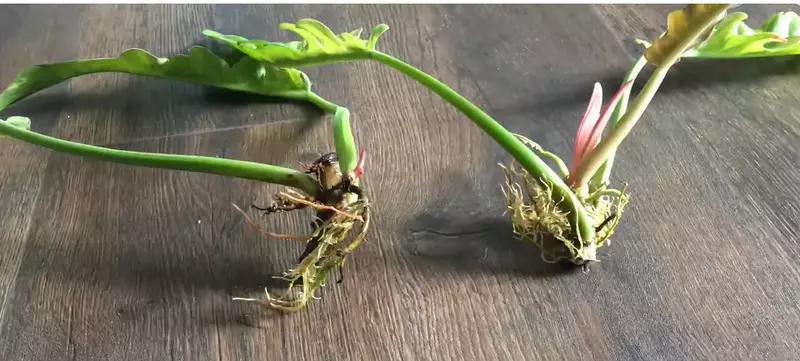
pixel 124 263
pixel 715 223
pixel 21 166
pixel 120 269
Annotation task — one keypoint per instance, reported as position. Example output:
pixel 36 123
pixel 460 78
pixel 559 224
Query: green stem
pixel 326 59
pixel 343 139
pixel 609 144
pixel 580 222
pixel 220 166
pixel 603 175
pixel 320 102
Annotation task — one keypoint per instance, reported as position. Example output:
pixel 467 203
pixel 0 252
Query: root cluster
pixel 536 217
pixel 332 249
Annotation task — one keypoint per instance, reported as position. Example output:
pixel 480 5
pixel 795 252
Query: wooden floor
pixel 108 262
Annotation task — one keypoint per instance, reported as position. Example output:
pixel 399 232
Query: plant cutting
pixel 577 205
pixel 574 205
pixel 339 202
pixel 332 188
pixel 330 185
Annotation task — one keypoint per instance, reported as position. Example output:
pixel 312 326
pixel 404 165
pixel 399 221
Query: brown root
pixel 331 251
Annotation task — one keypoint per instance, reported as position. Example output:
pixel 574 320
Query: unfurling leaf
pixel 20 122
pixel 376 34
pixel 693 21
pixel 778 35
pixel 200 66
pixel 319 44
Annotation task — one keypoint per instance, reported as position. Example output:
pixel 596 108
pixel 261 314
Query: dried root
pixel 536 218
pixel 332 249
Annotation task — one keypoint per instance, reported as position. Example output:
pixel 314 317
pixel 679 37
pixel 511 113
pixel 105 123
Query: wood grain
pixel 104 261
pixel 22 167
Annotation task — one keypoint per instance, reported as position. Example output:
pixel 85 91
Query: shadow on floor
pixel 688 74
pixel 480 245
pixel 144 100
pixel 166 273
pixel 472 234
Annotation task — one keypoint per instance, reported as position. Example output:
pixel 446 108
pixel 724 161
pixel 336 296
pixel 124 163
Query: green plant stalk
pixel 611 142
pixel 565 198
pixel 220 166
pixel 324 60
pixel 343 139
pixel 602 176
pixel 94 66
pixel 320 102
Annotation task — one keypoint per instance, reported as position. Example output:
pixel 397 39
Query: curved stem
pixel 343 140
pixel 325 59
pixel 321 102
pixel 565 198
pixel 220 166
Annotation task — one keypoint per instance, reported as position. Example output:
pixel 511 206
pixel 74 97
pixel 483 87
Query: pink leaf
pixel 360 166
pixel 593 138
pixel 587 123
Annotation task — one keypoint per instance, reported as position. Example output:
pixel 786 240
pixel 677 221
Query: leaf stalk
pixel 609 144
pixel 603 175
pixel 564 197
pixel 211 165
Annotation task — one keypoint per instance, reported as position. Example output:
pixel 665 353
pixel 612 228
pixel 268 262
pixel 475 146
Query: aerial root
pixel 257 228
pixel 317 206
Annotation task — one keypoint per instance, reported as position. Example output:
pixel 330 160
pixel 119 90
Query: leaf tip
pixel 312 22
pixel 213 34
pixel 646 44
pixel 359 171
pixel 19 122
pixel 306 80
pixel 376 33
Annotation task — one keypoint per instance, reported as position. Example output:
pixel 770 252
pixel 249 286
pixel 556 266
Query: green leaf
pixel 778 35
pixel 319 44
pixel 200 66
pixel 343 140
